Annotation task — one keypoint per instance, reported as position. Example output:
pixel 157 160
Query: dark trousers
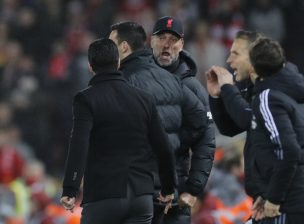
pixel 290 218
pixel 175 215
pixel 130 210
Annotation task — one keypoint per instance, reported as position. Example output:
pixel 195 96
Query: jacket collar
pixel 173 67
pixel 288 80
pixel 137 54
pixel 106 76
pixel 187 66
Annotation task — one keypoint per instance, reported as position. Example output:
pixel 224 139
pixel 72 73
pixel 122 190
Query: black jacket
pixel 232 111
pixel 232 114
pixel 116 131
pixel 277 137
pixel 202 150
pixel 177 107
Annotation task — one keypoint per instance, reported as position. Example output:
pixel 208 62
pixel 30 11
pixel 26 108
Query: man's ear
pixel 125 47
pixel 183 42
pixel 152 40
pixel 252 74
pixel 90 67
pixel 251 69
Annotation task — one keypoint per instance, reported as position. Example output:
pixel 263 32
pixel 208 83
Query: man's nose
pixel 167 43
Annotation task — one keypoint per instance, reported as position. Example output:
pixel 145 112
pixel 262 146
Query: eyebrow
pixel 234 52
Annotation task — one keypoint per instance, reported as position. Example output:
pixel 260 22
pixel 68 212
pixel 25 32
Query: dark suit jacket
pixel 116 130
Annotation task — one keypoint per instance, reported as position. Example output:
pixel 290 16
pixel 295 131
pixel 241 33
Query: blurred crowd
pixel 43 62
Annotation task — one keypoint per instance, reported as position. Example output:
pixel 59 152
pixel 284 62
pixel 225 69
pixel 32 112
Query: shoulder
pixel 155 75
pixel 193 83
pixel 271 100
pixel 147 68
pixel 143 94
pixel 81 100
pixel 163 73
pixel 81 95
pixel 88 93
pixel 270 95
pixel 197 88
pixel 187 66
pixel 263 97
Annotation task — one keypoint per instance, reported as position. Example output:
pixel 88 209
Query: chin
pixel 239 78
pixel 164 63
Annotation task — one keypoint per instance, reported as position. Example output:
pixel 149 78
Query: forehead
pixel 113 35
pixel 240 46
pixel 168 34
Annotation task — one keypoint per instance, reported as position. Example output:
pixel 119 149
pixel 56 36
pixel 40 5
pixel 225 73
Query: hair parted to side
pixel 266 56
pixel 131 32
pixel 250 36
pixel 103 55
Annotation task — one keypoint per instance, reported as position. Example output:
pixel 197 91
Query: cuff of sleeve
pixel 275 199
pixel 166 192
pixel 214 99
pixel 70 192
pixel 190 188
pixel 227 88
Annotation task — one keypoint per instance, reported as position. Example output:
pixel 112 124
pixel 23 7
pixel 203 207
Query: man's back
pixel 119 142
pixel 277 138
pixel 108 101
pixel 116 130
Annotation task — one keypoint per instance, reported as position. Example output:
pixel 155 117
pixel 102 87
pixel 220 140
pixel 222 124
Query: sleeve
pixel 201 162
pixel 164 153
pixel 222 119
pixel 274 114
pixel 237 107
pixel 202 150
pixel 78 148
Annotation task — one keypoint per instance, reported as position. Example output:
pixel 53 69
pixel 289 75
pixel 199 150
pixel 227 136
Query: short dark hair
pixel 103 55
pixel 250 36
pixel 266 56
pixel 131 32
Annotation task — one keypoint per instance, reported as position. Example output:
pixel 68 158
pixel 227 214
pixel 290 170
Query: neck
pixel 125 54
pixel 253 76
pixel 105 70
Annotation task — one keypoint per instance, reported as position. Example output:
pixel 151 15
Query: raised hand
pixel 223 75
pixel 212 84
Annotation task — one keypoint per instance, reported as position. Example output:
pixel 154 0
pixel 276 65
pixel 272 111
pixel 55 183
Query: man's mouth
pixel 165 55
